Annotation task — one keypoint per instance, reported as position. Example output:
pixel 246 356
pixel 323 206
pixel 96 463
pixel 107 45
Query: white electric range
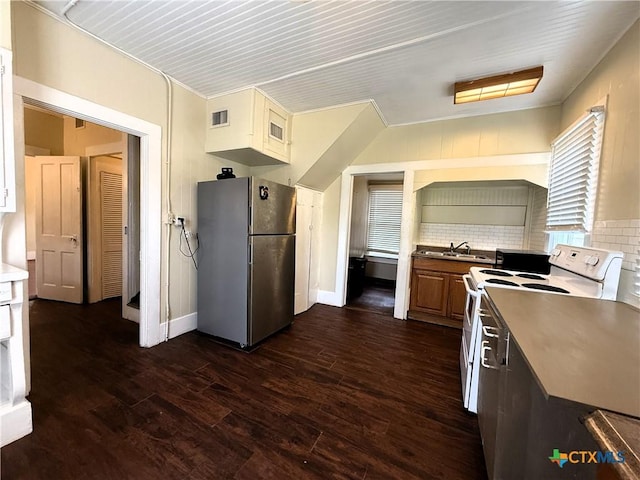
pixel 576 271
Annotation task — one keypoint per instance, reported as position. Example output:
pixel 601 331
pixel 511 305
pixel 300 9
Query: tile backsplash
pixel 622 235
pixel 482 237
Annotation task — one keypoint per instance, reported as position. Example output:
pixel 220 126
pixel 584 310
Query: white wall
pixel 617 218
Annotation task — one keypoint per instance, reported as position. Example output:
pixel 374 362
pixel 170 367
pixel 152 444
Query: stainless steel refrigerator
pixel 246 259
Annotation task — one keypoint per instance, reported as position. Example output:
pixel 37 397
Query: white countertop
pixel 580 349
pixel 9 273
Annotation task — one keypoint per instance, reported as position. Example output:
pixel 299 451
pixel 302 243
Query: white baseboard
pixel 15 422
pixel 183 324
pixel 330 298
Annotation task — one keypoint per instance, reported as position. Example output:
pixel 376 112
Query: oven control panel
pixel 589 262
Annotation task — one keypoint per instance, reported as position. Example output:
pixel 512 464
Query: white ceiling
pixel 404 55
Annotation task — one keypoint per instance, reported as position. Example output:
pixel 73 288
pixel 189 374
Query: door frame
pixel 151 325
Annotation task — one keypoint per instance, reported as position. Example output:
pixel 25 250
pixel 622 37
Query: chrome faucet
pixel 453 249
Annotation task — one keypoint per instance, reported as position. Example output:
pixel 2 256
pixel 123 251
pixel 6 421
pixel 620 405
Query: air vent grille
pixel 220 118
pixel 276 131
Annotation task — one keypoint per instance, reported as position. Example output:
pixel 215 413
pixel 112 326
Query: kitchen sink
pixel 466 256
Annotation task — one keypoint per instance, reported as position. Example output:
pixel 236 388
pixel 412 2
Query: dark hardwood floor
pixel 341 394
pixel 375 298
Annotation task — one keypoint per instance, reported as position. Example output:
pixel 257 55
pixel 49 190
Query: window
pixel 385 217
pixel 573 180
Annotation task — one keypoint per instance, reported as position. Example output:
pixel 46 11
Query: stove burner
pixel 548 288
pixel 497 273
pixel 530 276
pixel 499 281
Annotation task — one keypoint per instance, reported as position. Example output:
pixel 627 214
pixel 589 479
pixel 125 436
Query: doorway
pixel 106 169
pixel 374 242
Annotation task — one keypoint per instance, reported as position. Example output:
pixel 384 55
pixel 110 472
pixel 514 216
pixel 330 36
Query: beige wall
pixel 51 53
pixel 617 218
pixel 617 76
pixel 525 131
pixel 329 236
pixel 359 214
pixel 44 130
pixel 5 24
pixel 76 140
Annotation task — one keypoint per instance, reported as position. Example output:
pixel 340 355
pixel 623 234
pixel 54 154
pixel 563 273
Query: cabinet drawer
pixel 5 292
pixel 5 322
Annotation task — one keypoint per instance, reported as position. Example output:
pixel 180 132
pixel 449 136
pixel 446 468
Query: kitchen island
pixel 565 357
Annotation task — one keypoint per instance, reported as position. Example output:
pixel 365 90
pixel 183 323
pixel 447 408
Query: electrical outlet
pixel 188 234
pixel 179 221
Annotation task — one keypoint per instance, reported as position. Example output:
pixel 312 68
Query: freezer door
pixel 273 208
pixel 271 284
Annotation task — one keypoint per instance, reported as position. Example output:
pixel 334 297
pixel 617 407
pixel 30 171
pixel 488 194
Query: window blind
pixel 573 175
pixel 385 214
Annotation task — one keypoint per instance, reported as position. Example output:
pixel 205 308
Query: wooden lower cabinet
pixel 437 290
pixel 429 292
pixel 457 297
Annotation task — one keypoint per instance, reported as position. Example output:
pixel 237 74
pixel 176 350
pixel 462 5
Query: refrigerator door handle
pixel 250 254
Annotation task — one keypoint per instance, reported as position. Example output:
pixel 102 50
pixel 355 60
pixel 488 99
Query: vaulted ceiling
pixel 404 55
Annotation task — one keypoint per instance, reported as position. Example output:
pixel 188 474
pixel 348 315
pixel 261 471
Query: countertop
pixel 617 433
pixel 9 273
pixel 579 349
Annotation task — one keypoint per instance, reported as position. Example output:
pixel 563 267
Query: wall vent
pixel 220 118
pixel 276 131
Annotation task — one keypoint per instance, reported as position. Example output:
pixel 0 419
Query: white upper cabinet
pixel 7 163
pixel 248 128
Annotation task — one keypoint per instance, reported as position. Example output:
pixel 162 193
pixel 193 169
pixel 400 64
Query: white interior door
pixel 59 242
pixel 105 227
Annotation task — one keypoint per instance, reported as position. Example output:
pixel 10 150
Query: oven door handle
pixel 466 279
pixel 483 361
pixel 489 331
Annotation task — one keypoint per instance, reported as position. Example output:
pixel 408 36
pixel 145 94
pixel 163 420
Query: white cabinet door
pixel 7 162
pixel 308 215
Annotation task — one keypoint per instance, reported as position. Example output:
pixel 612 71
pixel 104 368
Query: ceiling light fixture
pixel 498 86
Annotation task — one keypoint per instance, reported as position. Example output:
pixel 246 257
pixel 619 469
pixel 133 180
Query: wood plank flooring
pixel 341 394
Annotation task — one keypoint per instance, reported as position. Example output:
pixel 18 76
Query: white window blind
pixel 573 175
pixel 385 214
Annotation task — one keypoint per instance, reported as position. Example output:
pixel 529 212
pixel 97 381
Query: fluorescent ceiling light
pixel 517 83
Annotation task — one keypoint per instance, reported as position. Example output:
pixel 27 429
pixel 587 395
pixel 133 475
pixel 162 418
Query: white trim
pixel 541 158
pixel 15 422
pixel 31 254
pixel 150 189
pixel 403 275
pixel 184 324
pixel 338 298
pixel 329 298
pixel 344 234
